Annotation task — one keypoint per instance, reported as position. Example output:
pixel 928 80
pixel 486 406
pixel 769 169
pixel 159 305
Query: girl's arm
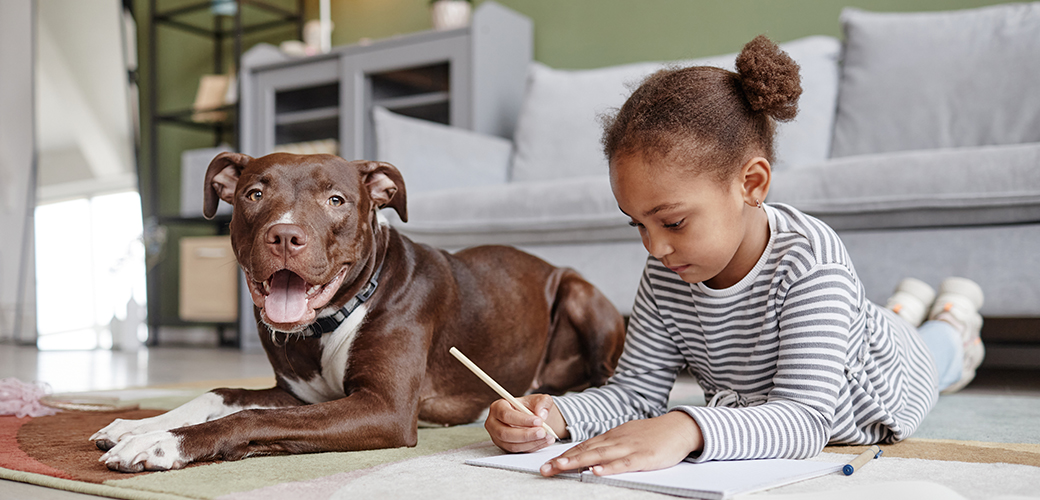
pixel 642 381
pixel 797 418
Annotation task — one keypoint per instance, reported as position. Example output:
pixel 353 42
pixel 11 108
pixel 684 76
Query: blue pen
pixel 862 459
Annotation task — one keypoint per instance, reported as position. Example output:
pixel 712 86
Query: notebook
pixel 709 480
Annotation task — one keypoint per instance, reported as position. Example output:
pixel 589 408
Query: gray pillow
pixel 939 79
pixel 432 156
pixel 558 131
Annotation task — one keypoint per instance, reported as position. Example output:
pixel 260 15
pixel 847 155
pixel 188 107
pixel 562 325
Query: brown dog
pixel 357 321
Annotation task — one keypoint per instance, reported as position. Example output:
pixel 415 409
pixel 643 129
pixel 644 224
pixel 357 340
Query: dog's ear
pixel 221 179
pixel 386 186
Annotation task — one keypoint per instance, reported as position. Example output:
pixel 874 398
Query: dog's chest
pixel 327 385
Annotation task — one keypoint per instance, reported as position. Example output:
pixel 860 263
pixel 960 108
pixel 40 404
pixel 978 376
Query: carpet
pixel 1002 461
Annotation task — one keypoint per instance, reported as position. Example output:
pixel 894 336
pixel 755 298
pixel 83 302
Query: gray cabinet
pixel 472 77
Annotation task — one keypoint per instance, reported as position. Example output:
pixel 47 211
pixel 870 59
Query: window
pixel 90 270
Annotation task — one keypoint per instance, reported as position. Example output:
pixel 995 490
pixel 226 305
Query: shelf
pixel 307 130
pixel 308 115
pixel 281 17
pixel 183 117
pixel 414 101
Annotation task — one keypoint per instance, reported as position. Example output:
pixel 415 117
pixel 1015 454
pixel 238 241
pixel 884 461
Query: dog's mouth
pixel 287 299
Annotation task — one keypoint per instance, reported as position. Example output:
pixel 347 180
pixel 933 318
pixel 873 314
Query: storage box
pixel 194 163
pixel 208 280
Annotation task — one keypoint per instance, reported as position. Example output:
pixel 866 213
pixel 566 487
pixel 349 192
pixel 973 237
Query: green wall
pixel 594 33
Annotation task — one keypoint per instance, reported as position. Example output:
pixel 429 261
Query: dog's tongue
pixel 287 302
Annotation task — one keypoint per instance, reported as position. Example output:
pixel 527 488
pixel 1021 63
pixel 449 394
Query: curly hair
pixel 709 118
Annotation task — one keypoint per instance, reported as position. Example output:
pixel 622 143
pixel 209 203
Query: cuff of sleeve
pixel 707 452
pixel 571 419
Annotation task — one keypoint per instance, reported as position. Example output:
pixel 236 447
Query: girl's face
pixel 702 229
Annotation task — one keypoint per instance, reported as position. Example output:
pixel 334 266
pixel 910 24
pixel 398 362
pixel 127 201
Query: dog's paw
pixel 120 429
pixel 157 450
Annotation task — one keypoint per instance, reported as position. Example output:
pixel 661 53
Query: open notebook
pixel 709 480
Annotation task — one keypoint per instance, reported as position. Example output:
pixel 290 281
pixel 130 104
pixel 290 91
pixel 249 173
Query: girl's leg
pixel 944 342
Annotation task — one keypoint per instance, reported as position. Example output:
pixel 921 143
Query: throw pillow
pixel 929 80
pixel 558 132
pixel 432 156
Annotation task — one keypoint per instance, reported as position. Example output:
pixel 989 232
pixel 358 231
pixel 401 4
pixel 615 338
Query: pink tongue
pixel 287 302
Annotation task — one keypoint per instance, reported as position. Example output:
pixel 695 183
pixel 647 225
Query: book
pixel 718 480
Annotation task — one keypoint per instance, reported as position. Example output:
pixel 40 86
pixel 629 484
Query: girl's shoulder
pixel 805 236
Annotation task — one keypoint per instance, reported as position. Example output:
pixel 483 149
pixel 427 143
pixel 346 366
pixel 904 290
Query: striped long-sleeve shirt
pixel 794 356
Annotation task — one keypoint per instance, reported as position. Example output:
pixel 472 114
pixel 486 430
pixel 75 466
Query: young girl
pixel 760 302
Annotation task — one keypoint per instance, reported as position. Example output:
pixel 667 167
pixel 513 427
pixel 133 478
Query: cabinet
pixel 472 77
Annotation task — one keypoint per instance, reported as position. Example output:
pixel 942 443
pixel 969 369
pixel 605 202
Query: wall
pixel 17 172
pixel 594 33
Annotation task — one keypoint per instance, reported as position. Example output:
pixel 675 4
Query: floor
pixel 74 371
pixel 77 371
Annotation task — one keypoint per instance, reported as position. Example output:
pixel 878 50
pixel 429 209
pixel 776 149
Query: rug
pixel 55 452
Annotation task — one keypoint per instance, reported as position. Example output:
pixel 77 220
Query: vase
pixel 450 14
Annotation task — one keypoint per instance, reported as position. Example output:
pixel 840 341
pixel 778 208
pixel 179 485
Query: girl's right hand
pixel 517 432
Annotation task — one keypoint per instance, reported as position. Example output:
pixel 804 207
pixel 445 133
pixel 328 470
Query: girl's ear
pixel 755 176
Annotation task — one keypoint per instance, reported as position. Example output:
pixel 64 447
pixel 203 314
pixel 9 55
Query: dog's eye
pixel 336 201
pixel 254 195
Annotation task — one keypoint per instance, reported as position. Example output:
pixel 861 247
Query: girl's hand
pixel 649 444
pixel 516 432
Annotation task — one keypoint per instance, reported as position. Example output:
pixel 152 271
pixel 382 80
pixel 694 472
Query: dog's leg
pixel 587 340
pixel 210 406
pixel 380 411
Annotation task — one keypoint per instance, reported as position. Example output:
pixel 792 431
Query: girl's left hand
pixel 650 444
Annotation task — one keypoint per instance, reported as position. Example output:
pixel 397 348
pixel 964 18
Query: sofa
pixel 917 139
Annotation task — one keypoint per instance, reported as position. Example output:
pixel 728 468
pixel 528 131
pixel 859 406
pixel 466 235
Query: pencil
pixel 861 460
pixel 498 388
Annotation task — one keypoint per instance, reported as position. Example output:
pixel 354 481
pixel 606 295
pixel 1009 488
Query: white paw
pixel 157 450
pixel 119 429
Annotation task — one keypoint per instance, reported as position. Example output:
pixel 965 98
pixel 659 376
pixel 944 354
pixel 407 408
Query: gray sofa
pixel 918 139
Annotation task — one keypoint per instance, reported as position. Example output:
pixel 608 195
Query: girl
pixel 760 302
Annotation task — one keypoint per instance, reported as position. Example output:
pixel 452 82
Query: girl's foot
pixel 911 300
pixel 958 304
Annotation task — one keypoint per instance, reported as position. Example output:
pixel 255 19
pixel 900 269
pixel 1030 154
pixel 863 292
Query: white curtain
pixel 17 173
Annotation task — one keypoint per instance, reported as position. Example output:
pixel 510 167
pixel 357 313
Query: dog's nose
pixel 286 240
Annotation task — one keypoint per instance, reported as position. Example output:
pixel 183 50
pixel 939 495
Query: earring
pixel 758 204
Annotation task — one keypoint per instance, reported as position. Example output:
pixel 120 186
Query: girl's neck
pixel 756 237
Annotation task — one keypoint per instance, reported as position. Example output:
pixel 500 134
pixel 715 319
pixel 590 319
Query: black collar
pixel 328 324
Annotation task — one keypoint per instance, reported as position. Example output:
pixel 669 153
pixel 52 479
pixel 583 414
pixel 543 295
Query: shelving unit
pixel 226 34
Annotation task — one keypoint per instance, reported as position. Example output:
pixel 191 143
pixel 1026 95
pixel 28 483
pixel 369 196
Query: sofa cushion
pixel 432 156
pixel 558 131
pixel 930 80
pixel 947 187
pixel 575 210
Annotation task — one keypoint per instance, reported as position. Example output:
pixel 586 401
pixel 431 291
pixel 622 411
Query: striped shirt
pixel 793 356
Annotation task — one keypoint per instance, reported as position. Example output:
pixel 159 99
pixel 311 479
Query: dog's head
pixel 303 226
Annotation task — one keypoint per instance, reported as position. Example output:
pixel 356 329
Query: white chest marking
pixel 328 385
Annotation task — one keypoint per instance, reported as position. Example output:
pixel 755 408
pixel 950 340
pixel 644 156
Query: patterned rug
pixel 55 452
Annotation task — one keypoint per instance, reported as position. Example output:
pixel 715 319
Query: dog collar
pixel 328 324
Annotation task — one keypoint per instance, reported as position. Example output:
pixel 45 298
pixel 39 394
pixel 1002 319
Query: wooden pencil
pixel 498 388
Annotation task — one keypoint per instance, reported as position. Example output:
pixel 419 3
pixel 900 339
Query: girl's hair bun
pixel 769 78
